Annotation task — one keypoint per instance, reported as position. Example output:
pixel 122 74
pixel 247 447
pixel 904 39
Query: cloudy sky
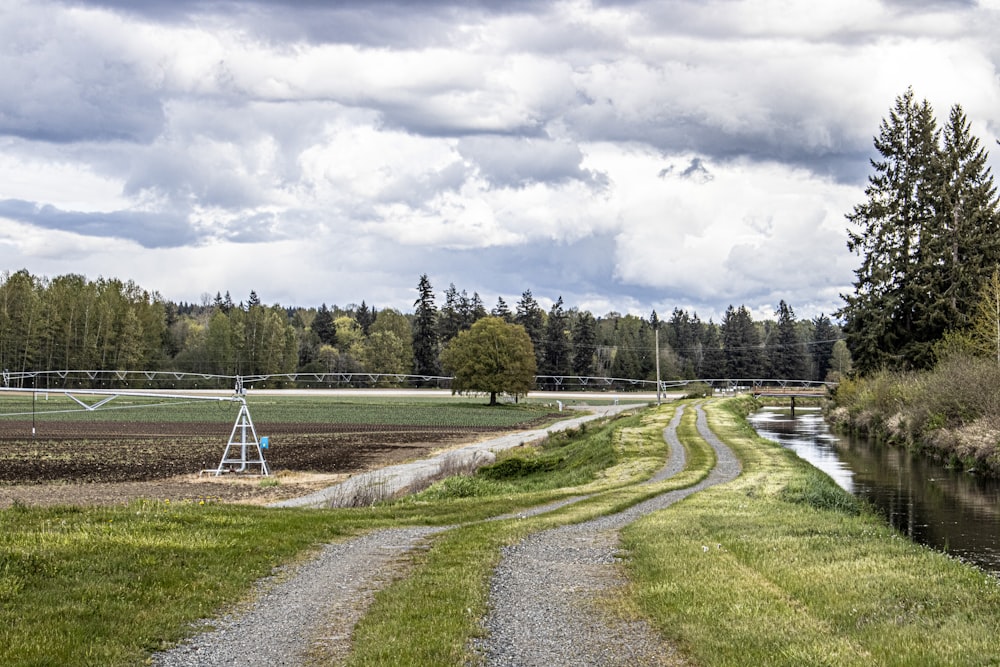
pixel 623 155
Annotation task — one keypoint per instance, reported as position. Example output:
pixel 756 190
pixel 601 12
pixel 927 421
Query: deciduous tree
pixel 493 357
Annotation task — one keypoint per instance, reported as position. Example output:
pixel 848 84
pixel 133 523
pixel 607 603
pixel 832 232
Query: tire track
pixel 542 594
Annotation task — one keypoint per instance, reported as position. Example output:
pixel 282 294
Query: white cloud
pixel 631 154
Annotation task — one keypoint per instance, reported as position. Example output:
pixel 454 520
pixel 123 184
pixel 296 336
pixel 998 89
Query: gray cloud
pixel 519 161
pixel 150 230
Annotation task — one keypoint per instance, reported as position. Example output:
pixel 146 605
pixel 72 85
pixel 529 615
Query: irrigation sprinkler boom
pixel 244 449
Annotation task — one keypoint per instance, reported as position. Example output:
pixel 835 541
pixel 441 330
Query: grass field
pixel 431 411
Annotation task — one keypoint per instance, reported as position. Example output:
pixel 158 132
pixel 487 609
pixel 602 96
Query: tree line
pixel 72 323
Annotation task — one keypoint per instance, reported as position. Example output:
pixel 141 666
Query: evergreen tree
pixel 365 317
pixel 451 319
pixel 786 356
pixel 713 366
pixel 425 331
pixel 965 245
pixel 927 236
pixel 477 310
pixel 684 336
pixel 531 316
pixel 502 310
pixel 824 337
pixel 584 342
pixel 323 327
pixel 741 345
pixel 557 354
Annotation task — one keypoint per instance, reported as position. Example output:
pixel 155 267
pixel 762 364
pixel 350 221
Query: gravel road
pixel 541 595
pixel 544 594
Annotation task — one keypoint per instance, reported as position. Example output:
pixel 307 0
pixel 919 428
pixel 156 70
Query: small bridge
pixel 791 392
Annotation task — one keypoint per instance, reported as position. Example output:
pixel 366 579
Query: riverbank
pixel 951 413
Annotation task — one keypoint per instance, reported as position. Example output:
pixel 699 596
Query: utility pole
pixel 656 338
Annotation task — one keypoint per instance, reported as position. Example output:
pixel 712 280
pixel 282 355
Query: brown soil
pixel 110 463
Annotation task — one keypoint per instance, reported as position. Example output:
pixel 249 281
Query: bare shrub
pixel 362 491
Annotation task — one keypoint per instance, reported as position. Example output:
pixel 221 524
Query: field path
pixel 544 594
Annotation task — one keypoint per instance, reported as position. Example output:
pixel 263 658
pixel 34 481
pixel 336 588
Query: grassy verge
pixel 780 567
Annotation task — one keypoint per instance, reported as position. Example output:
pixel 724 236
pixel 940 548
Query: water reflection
pixel 945 509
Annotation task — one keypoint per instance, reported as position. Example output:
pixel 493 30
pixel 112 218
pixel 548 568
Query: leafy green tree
pixel 985 330
pixel 424 331
pixel 388 348
pixel 840 362
pixel 20 321
pixel 492 357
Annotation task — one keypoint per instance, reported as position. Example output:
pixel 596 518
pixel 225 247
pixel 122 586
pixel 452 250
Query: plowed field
pixel 109 462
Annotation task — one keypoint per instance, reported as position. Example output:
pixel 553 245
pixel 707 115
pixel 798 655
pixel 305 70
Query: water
pixel 944 509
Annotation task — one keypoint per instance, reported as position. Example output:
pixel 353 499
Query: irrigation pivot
pixel 244 452
pixel 249 446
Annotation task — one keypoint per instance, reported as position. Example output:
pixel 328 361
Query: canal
pixel 948 510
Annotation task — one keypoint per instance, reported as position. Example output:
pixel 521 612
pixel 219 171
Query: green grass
pixel 781 567
pixel 461 412
pixel 775 568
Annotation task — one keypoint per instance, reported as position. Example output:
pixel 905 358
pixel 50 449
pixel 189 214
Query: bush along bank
pixel 950 413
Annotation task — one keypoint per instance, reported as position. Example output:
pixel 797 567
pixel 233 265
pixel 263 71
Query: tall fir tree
pixel 965 245
pixel 824 337
pixel 451 317
pixel 502 310
pixel 927 236
pixel 323 327
pixel 425 331
pixel 786 355
pixel 713 365
pixel 557 357
pixel 887 232
pixel 741 345
pixel 531 316
pixel 584 344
